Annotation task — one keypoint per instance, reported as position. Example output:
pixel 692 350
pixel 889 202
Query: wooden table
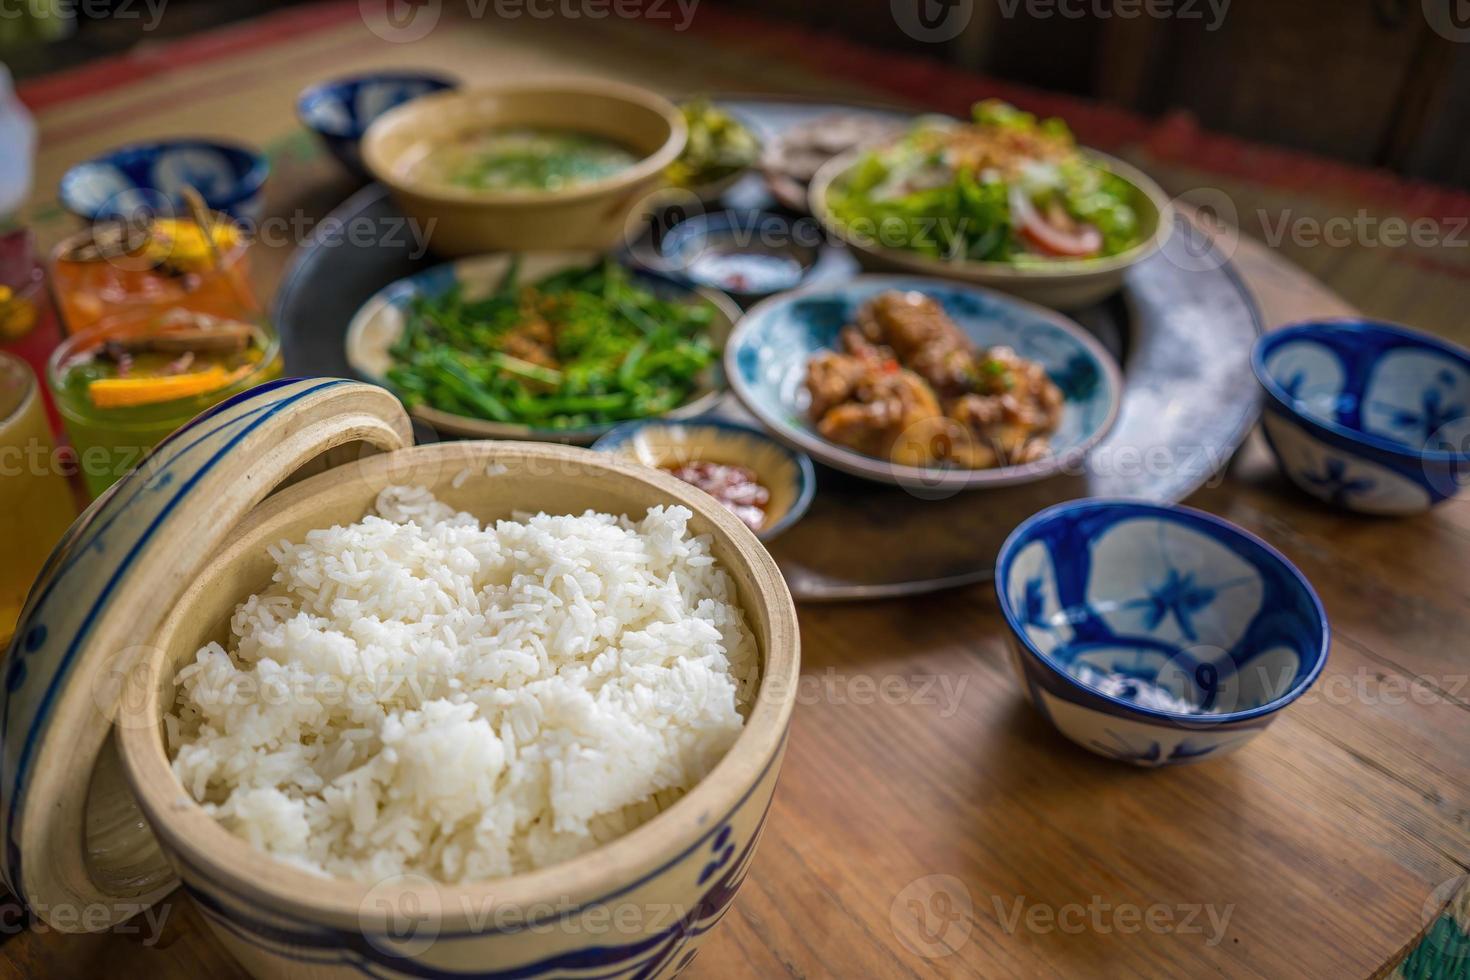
pixel 941 826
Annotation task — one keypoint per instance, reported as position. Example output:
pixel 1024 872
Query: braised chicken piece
pixel 832 378
pixel 863 398
pixel 909 386
pixel 854 342
pixel 885 405
pixel 923 337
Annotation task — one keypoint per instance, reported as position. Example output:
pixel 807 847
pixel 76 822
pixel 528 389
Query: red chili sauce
pixel 734 486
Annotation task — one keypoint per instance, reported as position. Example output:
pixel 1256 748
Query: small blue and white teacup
pixel 1156 634
pixel 339 111
pixel 1367 416
pixel 148 179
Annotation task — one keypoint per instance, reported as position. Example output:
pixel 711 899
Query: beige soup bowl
pixel 462 221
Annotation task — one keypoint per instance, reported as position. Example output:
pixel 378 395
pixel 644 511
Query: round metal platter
pixel 1182 328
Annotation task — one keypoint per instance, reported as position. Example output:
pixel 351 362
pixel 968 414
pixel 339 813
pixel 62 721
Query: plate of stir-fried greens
pixel 547 345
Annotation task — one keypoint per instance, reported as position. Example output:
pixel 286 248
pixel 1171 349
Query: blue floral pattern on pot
pixel 1367 416
pixel 665 940
pixel 1154 634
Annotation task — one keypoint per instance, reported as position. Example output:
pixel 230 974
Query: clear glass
pixel 110 441
pixel 29 327
pixel 36 502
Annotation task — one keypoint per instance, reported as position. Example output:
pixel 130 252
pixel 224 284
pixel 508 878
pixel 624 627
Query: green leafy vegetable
pixel 947 190
pixel 583 346
pixel 718 145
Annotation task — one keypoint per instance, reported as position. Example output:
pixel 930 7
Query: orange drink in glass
pixel 36 502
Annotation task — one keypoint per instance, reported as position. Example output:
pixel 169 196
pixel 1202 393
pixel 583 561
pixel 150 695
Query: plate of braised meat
pixel 924 382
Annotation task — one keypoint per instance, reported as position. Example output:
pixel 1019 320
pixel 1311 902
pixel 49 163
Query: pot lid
pixel 76 848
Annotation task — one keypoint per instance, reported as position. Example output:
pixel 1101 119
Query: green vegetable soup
pixel 524 160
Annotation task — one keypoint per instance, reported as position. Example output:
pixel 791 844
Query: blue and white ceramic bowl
pixel 150 178
pixel 1367 416
pixel 1156 634
pixel 339 111
pixel 786 473
pixel 767 356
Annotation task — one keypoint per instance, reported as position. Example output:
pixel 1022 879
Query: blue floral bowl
pixel 786 473
pixel 1367 416
pixel 150 178
pixel 339 111
pixel 768 352
pixel 1156 634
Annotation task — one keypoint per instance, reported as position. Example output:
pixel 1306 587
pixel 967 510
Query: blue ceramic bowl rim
pixel 247 184
pixel 1307 329
pixel 807 472
pixel 322 89
pixel 1021 536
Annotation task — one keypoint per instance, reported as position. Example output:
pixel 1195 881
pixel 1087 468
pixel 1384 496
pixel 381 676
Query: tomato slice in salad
pixel 1081 241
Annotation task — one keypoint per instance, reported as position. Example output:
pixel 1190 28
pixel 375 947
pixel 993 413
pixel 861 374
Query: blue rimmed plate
pixel 379 323
pixel 787 473
pixel 768 352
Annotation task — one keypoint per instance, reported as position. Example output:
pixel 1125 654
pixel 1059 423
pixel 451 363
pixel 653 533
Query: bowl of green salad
pixel 552 346
pixel 1006 200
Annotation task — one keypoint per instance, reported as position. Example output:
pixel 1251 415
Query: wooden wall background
pixel 1366 81
pixel 1370 82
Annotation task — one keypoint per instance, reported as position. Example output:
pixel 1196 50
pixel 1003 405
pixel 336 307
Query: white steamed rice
pixel 417 694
